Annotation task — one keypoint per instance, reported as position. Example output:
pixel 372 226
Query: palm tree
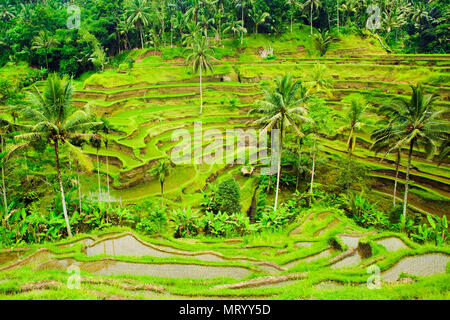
pixel 281 108
pixel 258 17
pixel 383 142
pixel 348 9
pixel 52 118
pixel 313 5
pixel 7 10
pixel 292 4
pixel 320 81
pixel 160 172
pixel 322 41
pixel 139 13
pixel 236 28
pixel 354 119
pixel 44 41
pixel 415 124
pixel 200 58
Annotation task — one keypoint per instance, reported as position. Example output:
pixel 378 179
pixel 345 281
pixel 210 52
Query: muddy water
pixel 423 265
pixel 304 244
pixel 392 244
pixel 349 261
pixel 8 256
pixel 350 241
pixel 323 254
pixel 129 246
pixel 278 285
pixel 109 267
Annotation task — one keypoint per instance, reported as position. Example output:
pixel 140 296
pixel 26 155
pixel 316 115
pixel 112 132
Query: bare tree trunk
pixel 397 164
pixel 61 188
pixel 405 201
pixel 279 166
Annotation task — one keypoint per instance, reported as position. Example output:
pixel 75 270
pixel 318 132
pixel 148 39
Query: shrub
pixel 153 223
pixel 228 197
pixel 225 225
pixel 186 222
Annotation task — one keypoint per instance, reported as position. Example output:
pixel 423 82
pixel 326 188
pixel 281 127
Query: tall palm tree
pixel 52 118
pixel 139 13
pixel 292 5
pixel 313 5
pixel 282 108
pixel 44 41
pixel 383 142
pixel 200 57
pixel 160 172
pixel 415 124
pixel 354 119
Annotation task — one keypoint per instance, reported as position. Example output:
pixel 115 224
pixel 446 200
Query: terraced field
pixel 147 105
pixel 323 255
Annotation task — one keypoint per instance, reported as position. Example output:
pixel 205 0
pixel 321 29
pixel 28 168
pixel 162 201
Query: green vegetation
pixel 93 118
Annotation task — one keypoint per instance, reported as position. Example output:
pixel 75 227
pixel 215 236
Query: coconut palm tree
pixel 415 124
pixel 313 5
pixel 258 16
pixel 236 28
pixel 282 108
pixel 293 4
pixel 320 81
pixel 200 57
pixel 354 119
pixel 322 41
pixel 383 142
pixel 160 172
pixel 52 118
pixel 139 13
pixel 44 41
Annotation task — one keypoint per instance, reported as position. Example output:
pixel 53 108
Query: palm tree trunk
pixel 201 92
pixel 337 10
pixel 98 178
pixel 79 188
pixel 313 166
pixel 107 177
pixel 162 193
pixel 46 58
pixel 397 164
pixel 61 189
pixel 5 200
pixel 279 166
pixel 311 17
pixel 299 163
pixel 405 201
pixel 291 20
pixel 141 31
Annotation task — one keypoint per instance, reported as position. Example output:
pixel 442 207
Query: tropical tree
pixel 322 41
pixel 313 5
pixel 7 10
pixel 52 118
pixel 383 142
pixel 199 58
pixel 320 81
pixel 354 119
pixel 258 16
pixel 44 41
pixel 281 108
pixel 160 172
pixel 139 13
pixel 293 4
pixel 414 124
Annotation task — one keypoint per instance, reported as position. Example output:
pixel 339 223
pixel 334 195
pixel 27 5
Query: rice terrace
pixel 224 150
